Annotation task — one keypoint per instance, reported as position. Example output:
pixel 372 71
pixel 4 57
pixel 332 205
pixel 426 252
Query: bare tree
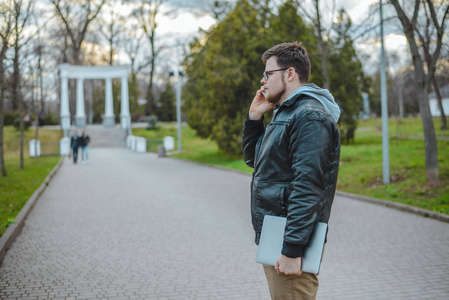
pixel 22 12
pixel 146 15
pixel 440 79
pixel 77 15
pixel 132 45
pixel 6 23
pixel 37 86
pixel 219 9
pixel 316 18
pixel 438 11
pixel 440 103
pixel 111 26
pixel 425 33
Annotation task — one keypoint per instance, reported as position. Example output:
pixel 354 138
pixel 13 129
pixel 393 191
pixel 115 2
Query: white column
pixel 64 146
pixel 80 111
pixel 109 118
pixel 125 117
pixel 65 112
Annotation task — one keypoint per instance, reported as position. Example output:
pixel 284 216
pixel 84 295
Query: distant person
pixel 84 143
pixel 41 119
pixel 295 160
pixel 74 144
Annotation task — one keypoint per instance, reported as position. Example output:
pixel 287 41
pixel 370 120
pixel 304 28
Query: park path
pixel 135 226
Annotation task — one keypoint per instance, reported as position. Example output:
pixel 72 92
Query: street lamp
pixel 178 76
pixel 384 107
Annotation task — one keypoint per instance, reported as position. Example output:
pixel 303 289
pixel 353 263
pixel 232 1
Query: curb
pixel 400 206
pixel 13 230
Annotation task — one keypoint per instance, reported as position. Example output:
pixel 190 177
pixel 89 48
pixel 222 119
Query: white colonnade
pixel 80 73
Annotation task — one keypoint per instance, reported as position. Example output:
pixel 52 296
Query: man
pixel 295 160
pixel 84 143
pixel 74 144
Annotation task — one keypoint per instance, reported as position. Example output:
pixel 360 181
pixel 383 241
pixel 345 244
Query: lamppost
pixel 178 106
pixel 384 107
pixel 178 77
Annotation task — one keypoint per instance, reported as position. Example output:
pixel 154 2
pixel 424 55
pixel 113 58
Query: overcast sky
pixel 187 23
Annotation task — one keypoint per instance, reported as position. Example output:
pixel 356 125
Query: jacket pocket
pixel 271 197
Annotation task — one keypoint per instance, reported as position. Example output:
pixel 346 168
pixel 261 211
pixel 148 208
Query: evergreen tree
pixel 133 88
pixel 224 74
pixel 166 110
pixel 288 26
pixel 346 78
pixel 224 69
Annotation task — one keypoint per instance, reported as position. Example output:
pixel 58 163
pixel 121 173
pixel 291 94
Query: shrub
pixel 152 122
pixel 9 117
pixel 26 124
pixel 51 118
pixel 137 117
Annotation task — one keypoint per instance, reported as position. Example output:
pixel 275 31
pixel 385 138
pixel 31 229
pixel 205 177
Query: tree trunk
pixel 36 134
pixel 2 105
pixel 321 48
pixel 21 137
pixel 2 157
pixel 76 55
pixel 150 87
pixel 440 103
pixel 422 81
pixel 433 177
pixel 15 85
pixel 401 97
pixel 431 147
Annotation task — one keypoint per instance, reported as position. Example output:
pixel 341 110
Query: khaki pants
pixel 291 287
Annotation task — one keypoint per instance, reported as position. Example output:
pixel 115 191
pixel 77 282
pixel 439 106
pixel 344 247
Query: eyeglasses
pixel 267 74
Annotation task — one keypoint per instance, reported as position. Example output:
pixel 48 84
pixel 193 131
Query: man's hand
pixel 288 265
pixel 259 106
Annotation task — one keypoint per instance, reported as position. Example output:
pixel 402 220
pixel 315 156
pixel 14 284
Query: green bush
pixel 26 124
pixel 51 118
pixel 228 134
pixel 9 117
pixel 152 122
pixel 137 117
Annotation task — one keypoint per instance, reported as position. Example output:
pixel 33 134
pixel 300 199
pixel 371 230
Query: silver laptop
pixel 272 239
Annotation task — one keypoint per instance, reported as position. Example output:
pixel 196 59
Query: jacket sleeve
pixel 310 139
pixel 252 131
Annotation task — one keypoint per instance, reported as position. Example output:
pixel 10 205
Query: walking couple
pixel 83 142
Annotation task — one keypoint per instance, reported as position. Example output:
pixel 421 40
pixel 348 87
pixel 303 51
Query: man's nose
pixel 263 81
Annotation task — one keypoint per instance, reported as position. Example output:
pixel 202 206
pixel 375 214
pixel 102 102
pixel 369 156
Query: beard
pixel 277 97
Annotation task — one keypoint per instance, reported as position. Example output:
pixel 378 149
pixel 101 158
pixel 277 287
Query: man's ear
pixel 291 74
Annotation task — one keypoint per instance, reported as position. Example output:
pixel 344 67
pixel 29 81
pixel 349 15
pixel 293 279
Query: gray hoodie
pixel 322 95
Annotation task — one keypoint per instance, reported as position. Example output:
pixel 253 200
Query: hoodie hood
pixel 322 95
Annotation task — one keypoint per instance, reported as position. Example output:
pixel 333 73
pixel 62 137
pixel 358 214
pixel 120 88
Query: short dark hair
pixel 291 55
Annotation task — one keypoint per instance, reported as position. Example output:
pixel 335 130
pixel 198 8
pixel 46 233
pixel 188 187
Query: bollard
pixel 129 140
pixel 141 144
pixel 35 146
pixel 64 146
pixel 160 151
pixel 169 143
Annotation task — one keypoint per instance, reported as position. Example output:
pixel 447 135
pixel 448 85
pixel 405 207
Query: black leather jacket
pixel 295 160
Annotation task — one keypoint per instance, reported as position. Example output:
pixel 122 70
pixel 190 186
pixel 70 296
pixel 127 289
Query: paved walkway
pixel 134 226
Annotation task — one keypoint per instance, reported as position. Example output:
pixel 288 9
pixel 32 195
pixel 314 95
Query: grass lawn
pixel 194 148
pixel 361 163
pixel 19 185
pixel 404 127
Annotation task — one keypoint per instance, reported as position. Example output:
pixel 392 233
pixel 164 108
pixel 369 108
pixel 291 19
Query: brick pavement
pixel 132 226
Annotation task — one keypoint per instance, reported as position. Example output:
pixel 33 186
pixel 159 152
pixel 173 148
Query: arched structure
pixel 94 72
